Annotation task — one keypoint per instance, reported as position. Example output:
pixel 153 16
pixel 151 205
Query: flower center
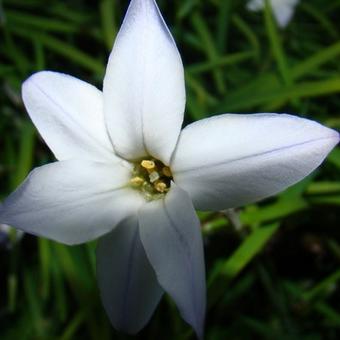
pixel 152 178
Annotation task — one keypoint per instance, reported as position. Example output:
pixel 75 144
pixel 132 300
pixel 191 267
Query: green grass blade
pixel 26 151
pixel 276 45
pixel 226 270
pixel 22 19
pixel 63 49
pixel 210 49
pixel 109 27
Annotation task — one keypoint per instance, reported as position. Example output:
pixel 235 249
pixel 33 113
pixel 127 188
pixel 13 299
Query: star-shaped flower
pixel 283 10
pixel 126 171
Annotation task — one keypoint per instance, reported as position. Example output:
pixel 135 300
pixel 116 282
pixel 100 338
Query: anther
pixel 160 186
pixel 137 181
pixel 166 171
pixel 152 178
pixel 148 165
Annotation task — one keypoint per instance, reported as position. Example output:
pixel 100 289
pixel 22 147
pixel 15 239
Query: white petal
pixel 71 201
pixel 283 13
pixel 144 93
pixel 128 285
pixel 283 10
pixel 69 116
pixel 230 160
pixel 171 235
pixel 255 5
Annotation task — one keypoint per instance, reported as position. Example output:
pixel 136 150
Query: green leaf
pixel 225 271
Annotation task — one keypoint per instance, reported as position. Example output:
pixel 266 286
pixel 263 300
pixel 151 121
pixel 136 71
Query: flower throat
pixel 152 178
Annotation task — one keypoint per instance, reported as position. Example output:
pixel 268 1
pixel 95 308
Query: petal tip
pixel 336 136
pixel 27 83
pixel 140 8
pixel 33 80
pixel 333 137
pixel 199 328
pixel 35 76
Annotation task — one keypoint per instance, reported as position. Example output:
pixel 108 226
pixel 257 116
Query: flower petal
pixel 69 116
pixel 283 10
pixel 144 93
pixel 71 201
pixel 255 5
pixel 231 160
pixel 170 233
pixel 128 285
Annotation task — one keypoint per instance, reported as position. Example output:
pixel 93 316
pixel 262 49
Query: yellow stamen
pixel 137 181
pixel 151 177
pixel 160 186
pixel 148 165
pixel 166 171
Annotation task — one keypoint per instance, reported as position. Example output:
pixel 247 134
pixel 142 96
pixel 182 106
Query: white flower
pixel 127 172
pixel 283 10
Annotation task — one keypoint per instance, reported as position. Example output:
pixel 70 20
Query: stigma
pixel 152 178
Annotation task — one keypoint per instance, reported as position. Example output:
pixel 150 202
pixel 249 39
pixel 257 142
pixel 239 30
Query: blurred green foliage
pixel 271 275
